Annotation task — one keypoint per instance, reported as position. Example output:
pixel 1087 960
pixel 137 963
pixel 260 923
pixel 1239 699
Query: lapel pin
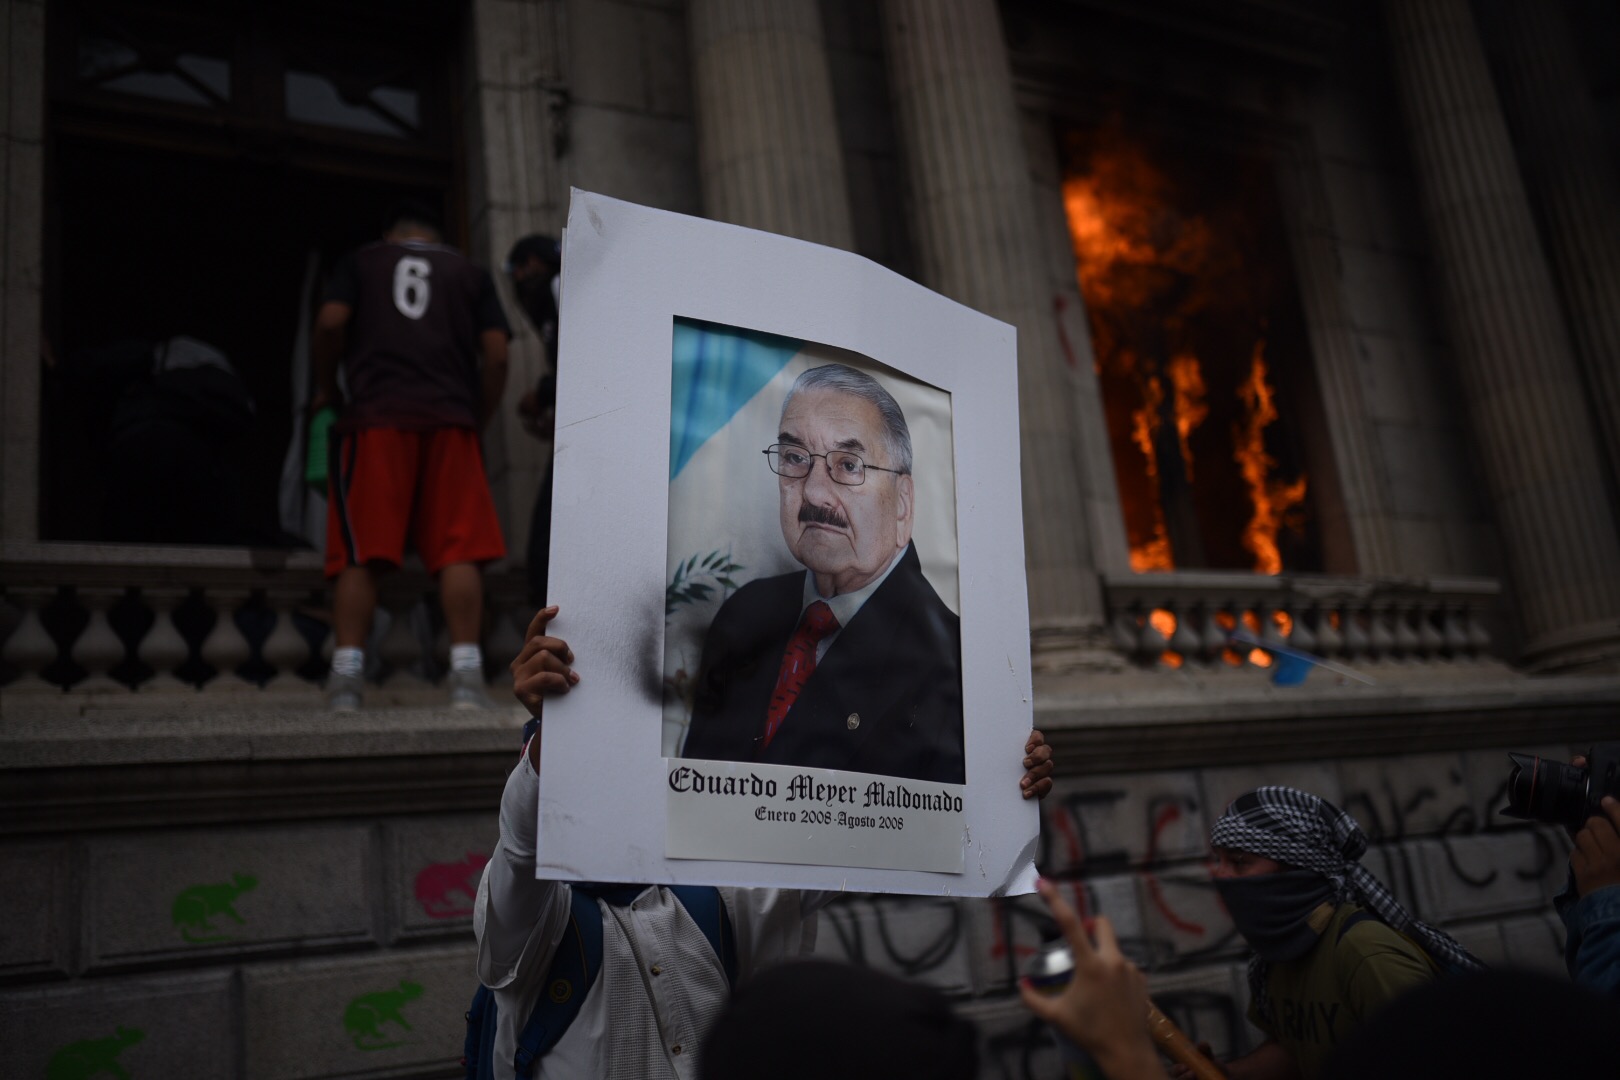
pixel 854 720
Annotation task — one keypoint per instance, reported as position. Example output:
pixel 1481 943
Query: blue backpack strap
pixel 477 1051
pixel 573 970
pixel 708 909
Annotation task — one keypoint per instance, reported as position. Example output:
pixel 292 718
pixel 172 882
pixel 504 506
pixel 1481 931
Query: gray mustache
pixel 821 515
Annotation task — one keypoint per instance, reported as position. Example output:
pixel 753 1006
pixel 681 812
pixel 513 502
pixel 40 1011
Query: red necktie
pixel 797 664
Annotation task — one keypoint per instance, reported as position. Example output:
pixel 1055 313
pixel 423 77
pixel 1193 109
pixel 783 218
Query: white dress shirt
pixel 844 605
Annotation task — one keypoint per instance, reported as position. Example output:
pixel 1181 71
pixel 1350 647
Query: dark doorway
pixel 200 157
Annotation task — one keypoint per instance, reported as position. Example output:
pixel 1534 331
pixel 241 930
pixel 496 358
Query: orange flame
pixel 1124 235
pixel 1131 251
pixel 1190 407
pixel 1149 266
pixel 1164 621
pixel 1153 553
pixel 1272 499
pixel 1145 422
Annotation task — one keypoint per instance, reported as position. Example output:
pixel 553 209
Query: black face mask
pixel 1273 911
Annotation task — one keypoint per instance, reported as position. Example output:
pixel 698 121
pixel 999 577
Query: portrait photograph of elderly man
pixel 848 658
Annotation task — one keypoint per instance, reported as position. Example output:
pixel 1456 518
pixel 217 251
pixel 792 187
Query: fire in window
pixel 1200 351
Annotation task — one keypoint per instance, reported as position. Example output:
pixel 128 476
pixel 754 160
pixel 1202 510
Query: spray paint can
pixel 1049 972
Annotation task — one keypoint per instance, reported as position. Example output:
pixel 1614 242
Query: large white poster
pixel 787 547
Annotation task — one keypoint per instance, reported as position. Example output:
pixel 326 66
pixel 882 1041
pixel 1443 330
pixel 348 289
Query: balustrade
pixel 81 623
pixel 1179 620
pixel 229 624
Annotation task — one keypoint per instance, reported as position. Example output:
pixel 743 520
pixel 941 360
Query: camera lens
pixel 1543 790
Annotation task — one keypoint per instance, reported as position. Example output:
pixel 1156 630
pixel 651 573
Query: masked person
pixel 1332 945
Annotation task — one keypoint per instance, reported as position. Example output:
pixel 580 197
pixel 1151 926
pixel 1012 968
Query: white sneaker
pixel 344 693
pixel 467 691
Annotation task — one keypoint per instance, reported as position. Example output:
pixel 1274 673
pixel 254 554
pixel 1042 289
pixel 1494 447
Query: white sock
pixel 348 661
pixel 467 658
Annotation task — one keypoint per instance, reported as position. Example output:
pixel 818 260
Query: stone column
pixel 978 242
pixel 1099 490
pixel 513 109
pixel 768 148
pixel 1565 159
pixel 1356 537
pixel 1531 426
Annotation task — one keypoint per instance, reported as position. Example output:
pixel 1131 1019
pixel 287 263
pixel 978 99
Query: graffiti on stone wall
pixel 447 890
pixel 93 1057
pixel 912 938
pixel 1135 848
pixel 1165 918
pixel 374 1021
pixel 196 907
pixel 1473 850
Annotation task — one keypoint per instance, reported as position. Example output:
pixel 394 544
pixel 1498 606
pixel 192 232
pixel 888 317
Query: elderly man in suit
pixel 855 663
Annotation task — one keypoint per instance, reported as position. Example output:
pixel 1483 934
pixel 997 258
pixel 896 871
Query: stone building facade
pixel 209 876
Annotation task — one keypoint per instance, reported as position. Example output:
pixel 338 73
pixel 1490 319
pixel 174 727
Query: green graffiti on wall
pixel 194 907
pixel 89 1058
pixel 366 1015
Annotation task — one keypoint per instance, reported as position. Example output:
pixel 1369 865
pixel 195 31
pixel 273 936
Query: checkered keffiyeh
pixel 1301 830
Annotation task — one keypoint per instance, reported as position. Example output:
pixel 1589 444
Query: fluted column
pixel 1532 430
pixel 1566 161
pixel 978 242
pixel 768 149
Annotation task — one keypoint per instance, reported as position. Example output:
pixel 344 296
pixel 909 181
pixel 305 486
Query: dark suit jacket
pixel 886 699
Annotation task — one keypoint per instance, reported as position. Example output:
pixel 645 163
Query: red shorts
pixel 385 483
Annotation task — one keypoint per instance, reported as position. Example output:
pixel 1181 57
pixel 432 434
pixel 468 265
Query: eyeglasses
pixel 795 463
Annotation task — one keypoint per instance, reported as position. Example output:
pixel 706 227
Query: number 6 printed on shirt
pixel 411 290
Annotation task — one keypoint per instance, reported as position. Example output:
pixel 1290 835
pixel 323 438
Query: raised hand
pixel 545 666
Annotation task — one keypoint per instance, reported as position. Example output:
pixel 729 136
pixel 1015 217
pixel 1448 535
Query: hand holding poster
pixel 840 671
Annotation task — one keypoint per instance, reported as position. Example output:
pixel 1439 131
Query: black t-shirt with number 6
pixel 411 349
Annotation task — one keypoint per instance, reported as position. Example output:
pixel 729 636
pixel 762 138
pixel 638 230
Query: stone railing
pixel 116 619
pixel 1187 618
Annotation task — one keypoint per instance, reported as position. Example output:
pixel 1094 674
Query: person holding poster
pixel 853 663
pixel 660 985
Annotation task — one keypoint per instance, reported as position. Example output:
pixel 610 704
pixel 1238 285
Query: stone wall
pixel 342 947
pixel 329 948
